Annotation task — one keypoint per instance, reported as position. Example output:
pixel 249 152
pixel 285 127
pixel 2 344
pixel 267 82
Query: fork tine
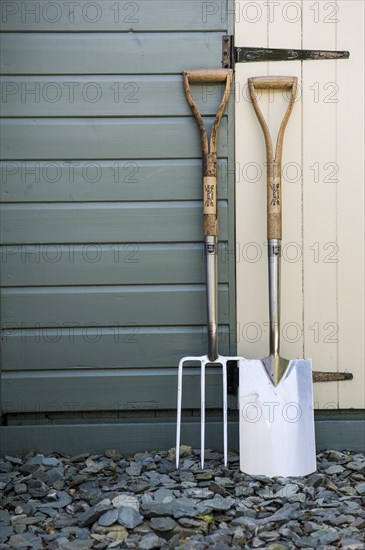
pixel 202 412
pixel 224 374
pixel 179 404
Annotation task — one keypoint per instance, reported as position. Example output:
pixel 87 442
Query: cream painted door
pixel 323 192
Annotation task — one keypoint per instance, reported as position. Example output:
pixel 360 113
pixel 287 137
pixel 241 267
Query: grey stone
pixel 23 520
pixel 134 469
pixel 114 454
pixel 335 469
pixel 163 524
pixel 185 450
pixel 316 480
pixel 207 475
pixel 60 500
pixel 13 460
pixel 360 488
pixel 351 544
pixel 189 522
pixel 183 507
pixel 4 518
pixel 287 491
pixel 50 461
pixel 282 515
pixel 36 488
pixel 110 517
pixel 357 466
pixel 129 517
pixel 149 542
pixel 77 545
pixel 199 493
pixel 20 488
pixel 155 509
pixel 93 513
pixel 26 540
pixel 163 496
pixel 269 536
pixel 5 532
pixel 248 523
pixel 186 464
pixel 220 503
pixel 126 499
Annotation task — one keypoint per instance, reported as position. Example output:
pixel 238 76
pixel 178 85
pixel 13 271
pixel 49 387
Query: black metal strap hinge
pixel 233 54
pixel 318 376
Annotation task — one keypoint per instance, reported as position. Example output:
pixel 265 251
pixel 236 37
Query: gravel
pixel 112 501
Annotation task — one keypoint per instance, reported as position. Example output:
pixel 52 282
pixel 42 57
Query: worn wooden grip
pixel 210 195
pixel 278 82
pixel 274 191
pixel 209 149
pixel 207 75
pixel 274 225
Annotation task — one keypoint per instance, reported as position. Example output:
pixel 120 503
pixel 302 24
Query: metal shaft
pixel 274 295
pixel 211 253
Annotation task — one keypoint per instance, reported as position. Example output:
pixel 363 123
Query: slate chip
pixel 163 524
pixel 129 517
pixel 92 514
pixel 59 502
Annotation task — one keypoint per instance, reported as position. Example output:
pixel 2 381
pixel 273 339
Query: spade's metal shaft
pixel 274 364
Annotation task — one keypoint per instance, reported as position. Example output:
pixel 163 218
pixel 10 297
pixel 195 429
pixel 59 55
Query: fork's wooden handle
pixel 210 201
pixel 274 194
pixel 197 76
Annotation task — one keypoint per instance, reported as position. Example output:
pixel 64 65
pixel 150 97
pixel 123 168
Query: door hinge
pixel 246 54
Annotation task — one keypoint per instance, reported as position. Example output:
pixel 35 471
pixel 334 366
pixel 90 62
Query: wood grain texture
pixel 105 223
pixel 108 306
pixel 117 389
pixel 321 322
pixel 95 438
pixel 108 15
pixel 137 190
pixel 351 201
pixel 118 347
pixel 109 264
pixel 108 53
pixel 99 96
pixel 102 180
pixel 109 138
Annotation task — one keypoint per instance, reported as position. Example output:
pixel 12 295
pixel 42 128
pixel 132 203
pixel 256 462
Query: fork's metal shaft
pixel 211 251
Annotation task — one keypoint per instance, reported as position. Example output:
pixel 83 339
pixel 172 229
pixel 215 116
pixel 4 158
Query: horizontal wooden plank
pixel 109 53
pixel 126 347
pixel 154 434
pixel 80 390
pixel 104 138
pixel 108 264
pixel 96 180
pixel 108 306
pixel 108 15
pixel 105 223
pixel 92 96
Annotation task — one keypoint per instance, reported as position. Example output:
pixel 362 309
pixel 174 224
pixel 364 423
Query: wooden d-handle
pixel 277 82
pixel 274 195
pixel 209 150
pixel 197 76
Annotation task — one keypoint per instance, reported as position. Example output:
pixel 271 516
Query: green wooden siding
pixel 101 262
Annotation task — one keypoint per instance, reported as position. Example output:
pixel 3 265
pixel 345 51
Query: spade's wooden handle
pixel 274 193
pixel 210 201
pixel 276 82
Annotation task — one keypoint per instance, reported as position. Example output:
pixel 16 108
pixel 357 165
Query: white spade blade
pixel 276 423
